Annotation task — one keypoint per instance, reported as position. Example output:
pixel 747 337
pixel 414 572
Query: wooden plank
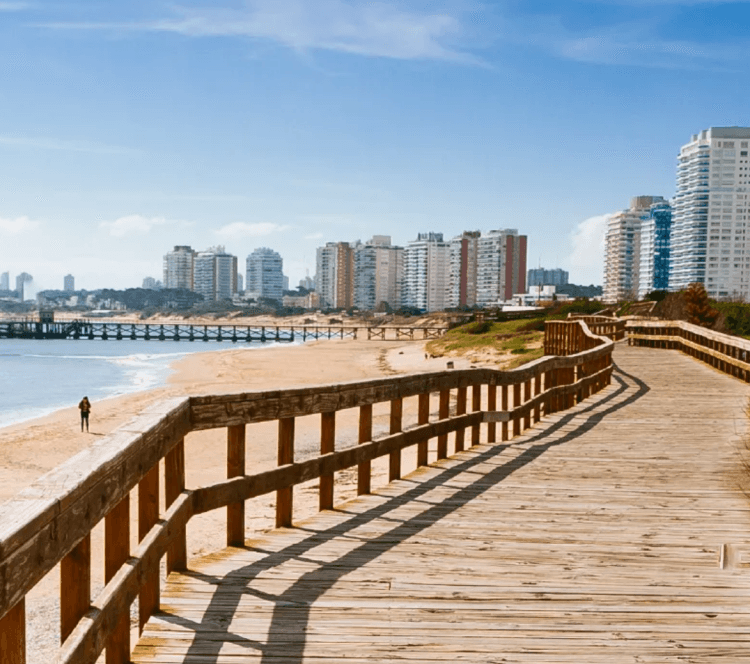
pixel 460 410
pixel 236 468
pixel 443 413
pixel 476 406
pixel 327 446
pixel 148 515
pixel 285 496
pixel 75 587
pixel 364 471
pixel 116 552
pixel 394 461
pixel 174 485
pixel 423 417
pixel 13 635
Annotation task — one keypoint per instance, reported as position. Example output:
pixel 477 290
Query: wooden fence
pixel 722 351
pixel 50 522
pixel 604 326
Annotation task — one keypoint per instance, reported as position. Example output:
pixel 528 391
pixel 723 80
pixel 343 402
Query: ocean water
pixel 39 376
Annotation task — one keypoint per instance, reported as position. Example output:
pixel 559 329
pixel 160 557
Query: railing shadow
pixel 287 632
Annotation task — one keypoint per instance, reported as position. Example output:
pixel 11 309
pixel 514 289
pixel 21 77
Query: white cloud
pixel 586 260
pixel 314 236
pixel 17 226
pixel 381 29
pixel 14 6
pixel 134 224
pixel 240 229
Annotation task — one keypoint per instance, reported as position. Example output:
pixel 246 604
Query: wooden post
pixel 476 406
pixel 148 515
pixel 537 392
pixel 13 635
pixel 394 461
pixel 327 445
pixel 174 484
pixel 423 417
pixel 516 403
pixel 285 497
pixel 460 410
pixel 75 586
pixel 236 468
pixel 116 553
pixel 526 398
pixel 504 408
pixel 491 406
pixel 443 413
pixel 365 436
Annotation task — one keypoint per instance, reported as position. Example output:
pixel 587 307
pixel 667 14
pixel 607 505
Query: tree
pixel 699 310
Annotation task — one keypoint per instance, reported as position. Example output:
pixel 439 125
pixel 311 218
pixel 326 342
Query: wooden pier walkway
pixel 611 532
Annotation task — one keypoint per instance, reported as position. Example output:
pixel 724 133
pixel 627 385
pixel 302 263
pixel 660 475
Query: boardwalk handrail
pixel 722 351
pixel 50 522
pixel 603 326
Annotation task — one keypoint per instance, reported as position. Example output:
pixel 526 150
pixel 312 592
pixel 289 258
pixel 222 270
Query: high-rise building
pixel 656 229
pixel 622 251
pixel 426 273
pixel 710 213
pixel 378 270
pixel 463 269
pixel 240 282
pixel 215 274
pixel 265 276
pixel 150 283
pixel 542 277
pixel 21 281
pixel 5 281
pixel 69 283
pixel 179 267
pixel 501 266
pixel 335 275
pixel 308 283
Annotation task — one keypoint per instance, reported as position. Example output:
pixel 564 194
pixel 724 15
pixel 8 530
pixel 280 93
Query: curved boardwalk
pixel 614 532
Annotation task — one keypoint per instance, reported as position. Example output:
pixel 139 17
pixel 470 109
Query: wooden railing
pixel 722 351
pixel 50 523
pixel 604 326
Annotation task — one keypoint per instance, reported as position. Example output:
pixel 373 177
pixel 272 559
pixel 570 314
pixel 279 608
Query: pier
pixel 155 331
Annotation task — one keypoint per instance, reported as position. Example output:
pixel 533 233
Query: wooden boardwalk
pixel 613 532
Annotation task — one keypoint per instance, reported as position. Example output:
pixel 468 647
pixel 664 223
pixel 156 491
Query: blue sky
pixel 129 127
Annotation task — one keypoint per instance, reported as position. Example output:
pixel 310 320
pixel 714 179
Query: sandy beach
pixel 32 448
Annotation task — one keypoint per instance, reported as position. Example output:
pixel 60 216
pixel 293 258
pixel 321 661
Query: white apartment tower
pixel 710 214
pixel 265 275
pixel 427 273
pixel 178 268
pixel 378 273
pixel 501 266
pixel 215 274
pixel 622 249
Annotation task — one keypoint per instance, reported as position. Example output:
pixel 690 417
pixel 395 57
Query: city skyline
pixel 129 129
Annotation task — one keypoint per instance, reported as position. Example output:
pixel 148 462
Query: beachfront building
pixel 215 274
pixel 335 275
pixel 463 270
pixel 21 281
pixel 501 266
pixel 542 277
pixel 622 249
pixel 69 283
pixel 710 214
pixel 653 269
pixel 426 273
pixel 378 273
pixel 179 267
pixel 5 281
pixel 265 276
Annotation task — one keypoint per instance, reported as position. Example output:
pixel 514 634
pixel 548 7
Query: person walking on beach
pixel 85 408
